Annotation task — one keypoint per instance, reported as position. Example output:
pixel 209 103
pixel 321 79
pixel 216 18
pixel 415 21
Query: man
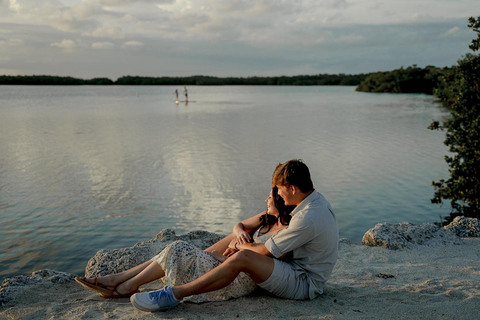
pixel 311 238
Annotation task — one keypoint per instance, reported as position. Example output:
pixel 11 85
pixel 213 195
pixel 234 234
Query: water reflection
pixel 89 168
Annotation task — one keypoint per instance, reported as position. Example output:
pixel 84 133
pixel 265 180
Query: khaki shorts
pixel 285 282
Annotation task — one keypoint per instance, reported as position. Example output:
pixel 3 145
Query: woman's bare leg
pixel 115 279
pixel 151 273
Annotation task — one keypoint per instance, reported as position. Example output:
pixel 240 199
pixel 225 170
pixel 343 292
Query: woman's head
pixel 276 210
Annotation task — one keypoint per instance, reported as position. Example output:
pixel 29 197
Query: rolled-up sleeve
pixel 299 232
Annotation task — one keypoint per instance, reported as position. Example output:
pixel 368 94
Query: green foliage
pixel 460 89
pixel 99 81
pixel 51 80
pixel 321 79
pixel 410 80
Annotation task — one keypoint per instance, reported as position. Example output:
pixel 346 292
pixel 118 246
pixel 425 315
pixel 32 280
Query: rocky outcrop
pixel 397 236
pixel 117 260
pixel 12 286
pixel 405 235
pixel 464 227
pixel 107 261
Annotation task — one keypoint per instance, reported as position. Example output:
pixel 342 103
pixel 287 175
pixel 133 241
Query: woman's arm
pixel 242 228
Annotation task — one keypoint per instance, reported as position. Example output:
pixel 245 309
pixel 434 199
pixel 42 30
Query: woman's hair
pixel 267 220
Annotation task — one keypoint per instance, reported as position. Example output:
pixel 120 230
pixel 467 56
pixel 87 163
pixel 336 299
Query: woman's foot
pixel 218 256
pixel 120 292
pixel 95 285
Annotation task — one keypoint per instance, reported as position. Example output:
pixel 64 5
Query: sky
pixel 239 38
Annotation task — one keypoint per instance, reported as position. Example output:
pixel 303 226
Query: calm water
pixel 86 168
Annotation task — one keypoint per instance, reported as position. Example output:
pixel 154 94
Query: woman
pixel 181 262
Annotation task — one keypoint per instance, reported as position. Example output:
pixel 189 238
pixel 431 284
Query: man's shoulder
pixel 317 208
pixel 317 202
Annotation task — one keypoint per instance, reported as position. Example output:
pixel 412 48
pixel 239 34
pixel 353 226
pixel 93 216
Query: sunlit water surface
pixel 88 168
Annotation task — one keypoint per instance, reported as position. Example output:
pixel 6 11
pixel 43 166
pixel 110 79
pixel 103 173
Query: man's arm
pixel 258 248
pixel 299 232
pixel 255 247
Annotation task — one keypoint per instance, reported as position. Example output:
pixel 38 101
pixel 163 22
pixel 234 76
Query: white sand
pixel 440 282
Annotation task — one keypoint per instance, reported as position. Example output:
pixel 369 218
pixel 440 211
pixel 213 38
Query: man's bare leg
pixel 258 267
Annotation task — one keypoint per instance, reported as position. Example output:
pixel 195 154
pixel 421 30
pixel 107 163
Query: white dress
pixel 183 262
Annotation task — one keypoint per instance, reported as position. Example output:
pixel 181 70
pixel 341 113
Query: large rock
pixel 117 260
pixel 12 286
pixel 406 235
pixel 464 227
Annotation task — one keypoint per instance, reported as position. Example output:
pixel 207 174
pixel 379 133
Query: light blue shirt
pixel 312 237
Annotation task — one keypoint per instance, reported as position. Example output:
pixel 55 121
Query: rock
pixel 117 260
pixel 406 235
pixel 464 227
pixel 12 286
pixel 107 261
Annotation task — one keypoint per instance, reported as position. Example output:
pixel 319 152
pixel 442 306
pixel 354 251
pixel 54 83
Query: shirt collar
pixel 308 199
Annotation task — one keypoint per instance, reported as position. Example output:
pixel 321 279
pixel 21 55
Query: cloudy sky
pixel 113 38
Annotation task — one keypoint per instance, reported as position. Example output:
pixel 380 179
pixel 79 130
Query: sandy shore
pixel 440 282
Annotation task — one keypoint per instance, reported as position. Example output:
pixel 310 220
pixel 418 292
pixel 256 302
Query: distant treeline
pixel 313 80
pixel 409 80
pixel 51 80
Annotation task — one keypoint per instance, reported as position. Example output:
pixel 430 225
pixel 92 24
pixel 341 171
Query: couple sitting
pixel 293 252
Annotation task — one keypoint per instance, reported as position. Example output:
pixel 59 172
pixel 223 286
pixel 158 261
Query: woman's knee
pixel 179 244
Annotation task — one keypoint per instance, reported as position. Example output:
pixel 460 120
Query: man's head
pixel 293 181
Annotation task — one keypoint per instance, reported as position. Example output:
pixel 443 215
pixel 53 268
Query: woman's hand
pixel 232 248
pixel 242 236
pixel 218 256
pixel 229 252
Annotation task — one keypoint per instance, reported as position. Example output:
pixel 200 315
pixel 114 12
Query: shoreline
pixel 435 275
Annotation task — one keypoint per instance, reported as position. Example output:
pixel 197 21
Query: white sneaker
pixel 160 300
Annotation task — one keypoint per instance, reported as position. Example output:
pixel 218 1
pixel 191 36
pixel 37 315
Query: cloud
pixel 102 45
pixel 128 2
pixel 76 18
pixel 452 32
pixel 12 72
pixel 132 44
pixel 8 43
pixel 66 44
pixel 235 37
pixel 14 5
pixel 106 32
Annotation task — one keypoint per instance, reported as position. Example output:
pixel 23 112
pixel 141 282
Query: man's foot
pixel 160 300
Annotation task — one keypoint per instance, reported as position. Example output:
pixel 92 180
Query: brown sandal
pixel 97 287
pixel 115 294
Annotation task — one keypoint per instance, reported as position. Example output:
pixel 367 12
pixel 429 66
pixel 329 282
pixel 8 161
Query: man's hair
pixel 293 173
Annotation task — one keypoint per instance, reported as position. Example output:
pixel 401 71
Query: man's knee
pixel 257 266
pixel 245 257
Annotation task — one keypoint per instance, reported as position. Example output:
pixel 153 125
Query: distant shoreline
pixel 404 80
pixel 303 80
